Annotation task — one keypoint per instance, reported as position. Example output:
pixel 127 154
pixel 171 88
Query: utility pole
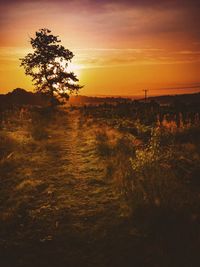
pixel 145 94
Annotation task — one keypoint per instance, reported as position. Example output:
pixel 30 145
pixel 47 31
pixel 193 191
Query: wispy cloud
pixel 113 57
pixel 116 57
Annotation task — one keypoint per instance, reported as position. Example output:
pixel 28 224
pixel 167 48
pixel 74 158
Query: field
pixel 100 185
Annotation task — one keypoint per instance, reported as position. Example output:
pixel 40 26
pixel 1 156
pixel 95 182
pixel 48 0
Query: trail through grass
pixel 57 199
pixel 67 195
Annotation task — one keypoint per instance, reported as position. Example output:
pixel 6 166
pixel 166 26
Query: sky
pixel 120 47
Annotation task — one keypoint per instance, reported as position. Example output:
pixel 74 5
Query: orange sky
pixel 120 47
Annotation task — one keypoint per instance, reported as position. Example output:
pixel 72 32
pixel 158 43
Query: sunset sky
pixel 120 47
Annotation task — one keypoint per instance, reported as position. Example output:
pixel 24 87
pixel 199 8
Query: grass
pixel 103 146
pixel 7 145
pixel 159 178
pixel 163 205
pixel 78 190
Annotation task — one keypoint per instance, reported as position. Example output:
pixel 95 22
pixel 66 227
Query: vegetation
pixel 107 185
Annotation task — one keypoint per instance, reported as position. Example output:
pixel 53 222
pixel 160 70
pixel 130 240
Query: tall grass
pixel 39 124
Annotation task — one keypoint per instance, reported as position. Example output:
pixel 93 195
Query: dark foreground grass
pixel 76 193
pixel 160 182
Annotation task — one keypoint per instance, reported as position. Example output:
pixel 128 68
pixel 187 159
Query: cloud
pixel 154 15
pixel 127 2
pixel 112 57
pixel 118 32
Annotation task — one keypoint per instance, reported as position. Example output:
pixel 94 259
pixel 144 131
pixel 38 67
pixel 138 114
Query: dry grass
pixel 71 183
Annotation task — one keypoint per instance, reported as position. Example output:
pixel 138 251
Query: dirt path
pixel 63 210
pixel 89 194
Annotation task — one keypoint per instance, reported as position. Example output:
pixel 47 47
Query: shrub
pixel 150 174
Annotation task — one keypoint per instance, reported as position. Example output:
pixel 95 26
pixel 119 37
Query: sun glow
pixel 76 68
pixel 119 47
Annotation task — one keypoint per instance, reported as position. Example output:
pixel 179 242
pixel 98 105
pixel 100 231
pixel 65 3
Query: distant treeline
pixel 20 97
pixel 184 98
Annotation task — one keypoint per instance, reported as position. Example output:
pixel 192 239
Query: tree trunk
pixel 52 99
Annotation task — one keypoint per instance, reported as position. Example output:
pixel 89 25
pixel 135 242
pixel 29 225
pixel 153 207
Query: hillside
pixel 183 98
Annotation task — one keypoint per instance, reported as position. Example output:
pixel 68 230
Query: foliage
pixel 47 66
pixel 149 155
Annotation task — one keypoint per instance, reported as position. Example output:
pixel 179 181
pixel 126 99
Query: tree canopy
pixel 48 66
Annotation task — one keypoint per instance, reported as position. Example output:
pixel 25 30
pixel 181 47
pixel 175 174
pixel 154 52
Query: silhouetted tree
pixel 47 66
